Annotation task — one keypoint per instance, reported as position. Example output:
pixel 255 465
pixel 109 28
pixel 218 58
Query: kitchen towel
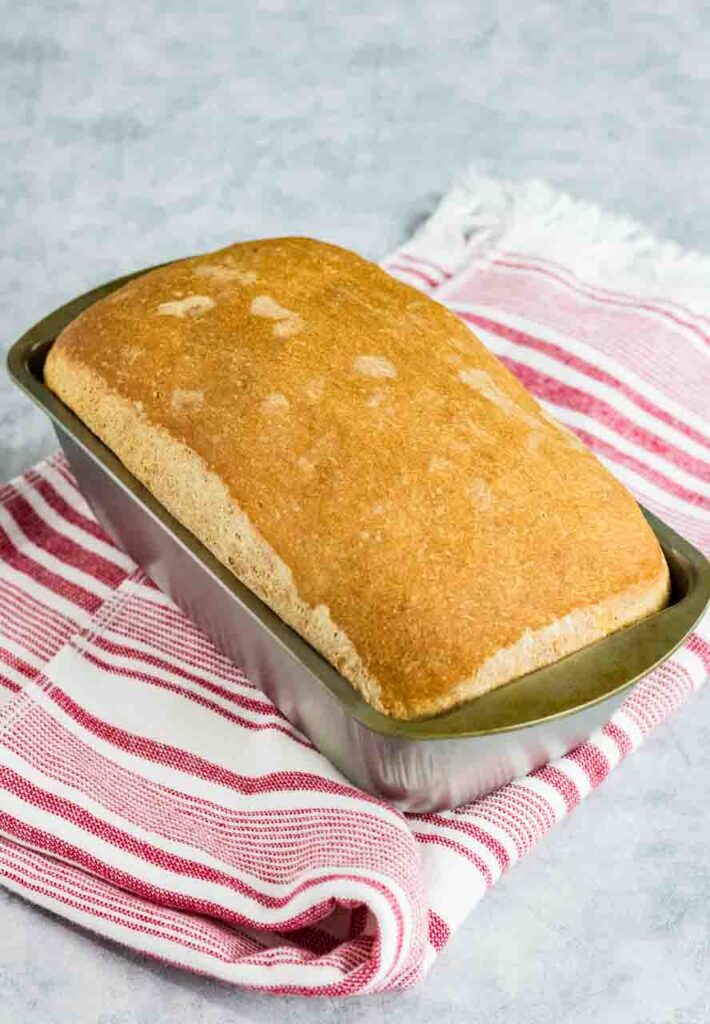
pixel 149 792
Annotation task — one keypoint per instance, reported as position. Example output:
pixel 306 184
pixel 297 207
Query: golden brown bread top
pixel 407 479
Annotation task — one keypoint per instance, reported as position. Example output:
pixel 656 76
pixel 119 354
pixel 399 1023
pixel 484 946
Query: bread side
pixel 198 498
pixel 355 455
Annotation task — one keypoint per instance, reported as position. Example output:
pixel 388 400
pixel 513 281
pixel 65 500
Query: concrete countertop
pixel 136 132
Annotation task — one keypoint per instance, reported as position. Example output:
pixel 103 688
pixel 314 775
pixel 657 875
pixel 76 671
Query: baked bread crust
pixel 360 460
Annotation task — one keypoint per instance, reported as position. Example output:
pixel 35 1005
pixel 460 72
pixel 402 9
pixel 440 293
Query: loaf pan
pixel 420 766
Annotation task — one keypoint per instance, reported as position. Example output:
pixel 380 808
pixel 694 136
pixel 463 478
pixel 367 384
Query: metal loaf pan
pixel 420 766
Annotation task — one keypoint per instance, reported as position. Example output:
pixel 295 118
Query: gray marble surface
pixel 140 131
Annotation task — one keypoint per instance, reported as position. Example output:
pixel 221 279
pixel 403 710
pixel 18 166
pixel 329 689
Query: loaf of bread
pixel 355 455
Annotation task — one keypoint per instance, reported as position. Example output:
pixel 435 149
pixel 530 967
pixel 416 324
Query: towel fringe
pixel 480 215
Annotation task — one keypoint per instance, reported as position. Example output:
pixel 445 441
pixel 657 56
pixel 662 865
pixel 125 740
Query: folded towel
pixel 149 792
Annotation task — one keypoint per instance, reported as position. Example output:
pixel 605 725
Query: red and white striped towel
pixel 150 793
